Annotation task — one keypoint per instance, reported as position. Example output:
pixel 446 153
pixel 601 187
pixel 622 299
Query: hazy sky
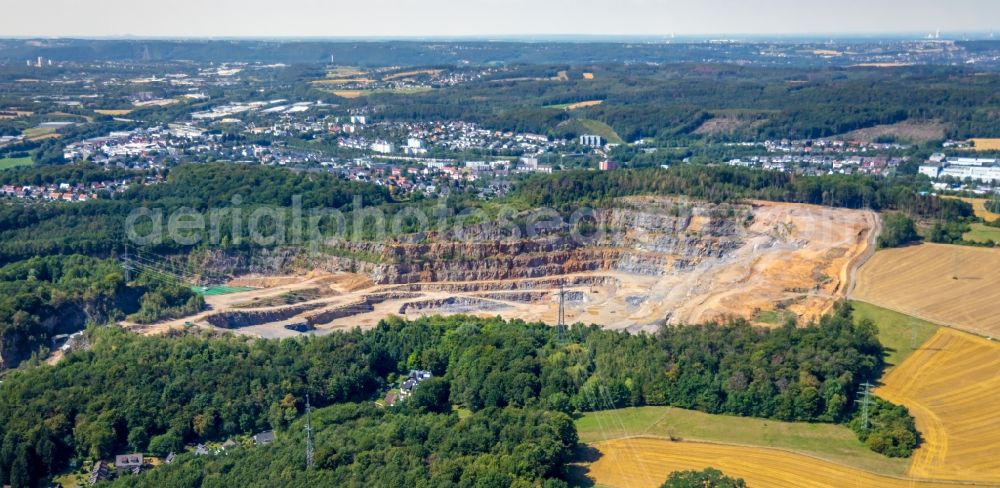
pixel 302 18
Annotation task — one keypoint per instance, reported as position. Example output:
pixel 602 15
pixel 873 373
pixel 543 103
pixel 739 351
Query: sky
pixel 485 18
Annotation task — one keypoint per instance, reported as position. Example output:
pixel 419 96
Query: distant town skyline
pixel 486 18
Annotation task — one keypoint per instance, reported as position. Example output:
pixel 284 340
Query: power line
pixel 165 269
pixel 309 439
pixel 864 395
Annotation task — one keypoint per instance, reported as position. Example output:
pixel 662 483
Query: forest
pixel 668 103
pixel 727 183
pixel 96 228
pixel 158 394
pixel 45 296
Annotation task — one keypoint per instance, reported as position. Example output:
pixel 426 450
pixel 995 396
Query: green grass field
pixel 982 233
pixel 36 133
pixel 600 128
pixel 219 290
pixel 835 443
pixel 774 317
pixel 901 334
pixel 14 162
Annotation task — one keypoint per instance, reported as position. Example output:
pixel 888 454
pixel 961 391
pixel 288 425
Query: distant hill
pixel 476 52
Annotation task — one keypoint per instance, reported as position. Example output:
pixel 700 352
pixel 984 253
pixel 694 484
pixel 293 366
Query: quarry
pixel 647 262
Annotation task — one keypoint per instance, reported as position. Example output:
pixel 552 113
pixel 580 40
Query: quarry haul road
pixel 852 272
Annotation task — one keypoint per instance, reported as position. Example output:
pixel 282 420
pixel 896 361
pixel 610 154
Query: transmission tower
pixel 128 269
pixel 309 438
pixel 864 395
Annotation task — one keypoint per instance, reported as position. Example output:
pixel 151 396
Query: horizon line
pixel 830 36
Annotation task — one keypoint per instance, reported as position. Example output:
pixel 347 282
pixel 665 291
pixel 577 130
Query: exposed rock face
pixel 238 319
pixel 647 239
pixel 518 296
pixel 452 305
pixel 646 242
pixel 16 346
pixel 339 312
pixel 523 284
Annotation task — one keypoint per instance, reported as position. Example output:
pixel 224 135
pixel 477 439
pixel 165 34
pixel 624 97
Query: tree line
pixel 729 183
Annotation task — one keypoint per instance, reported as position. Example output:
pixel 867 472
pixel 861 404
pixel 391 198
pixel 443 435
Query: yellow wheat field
pixel 979 207
pixel 410 74
pixel 115 112
pixel 646 462
pixel 343 81
pixel 984 144
pixel 588 103
pixel 949 285
pixel 348 93
pixel 952 387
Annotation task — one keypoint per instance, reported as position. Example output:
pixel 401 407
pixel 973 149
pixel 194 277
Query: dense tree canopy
pixel 897 230
pixel 158 393
pixel 727 183
pixel 709 478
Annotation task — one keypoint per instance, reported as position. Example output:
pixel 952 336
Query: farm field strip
pixel 646 462
pixel 986 144
pixel 944 284
pixel 830 442
pixel 982 233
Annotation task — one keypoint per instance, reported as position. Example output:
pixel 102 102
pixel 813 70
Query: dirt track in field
pixel 952 387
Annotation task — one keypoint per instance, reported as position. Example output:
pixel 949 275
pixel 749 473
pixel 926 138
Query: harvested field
pixel 412 73
pixel 986 144
pixel 364 93
pixel 113 112
pixel 646 462
pixel 949 285
pixel 577 105
pixel 833 443
pixel 348 93
pixel 952 387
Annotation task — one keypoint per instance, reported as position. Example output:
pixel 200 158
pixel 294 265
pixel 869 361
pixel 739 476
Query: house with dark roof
pixel 264 438
pixel 128 461
pixel 98 473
